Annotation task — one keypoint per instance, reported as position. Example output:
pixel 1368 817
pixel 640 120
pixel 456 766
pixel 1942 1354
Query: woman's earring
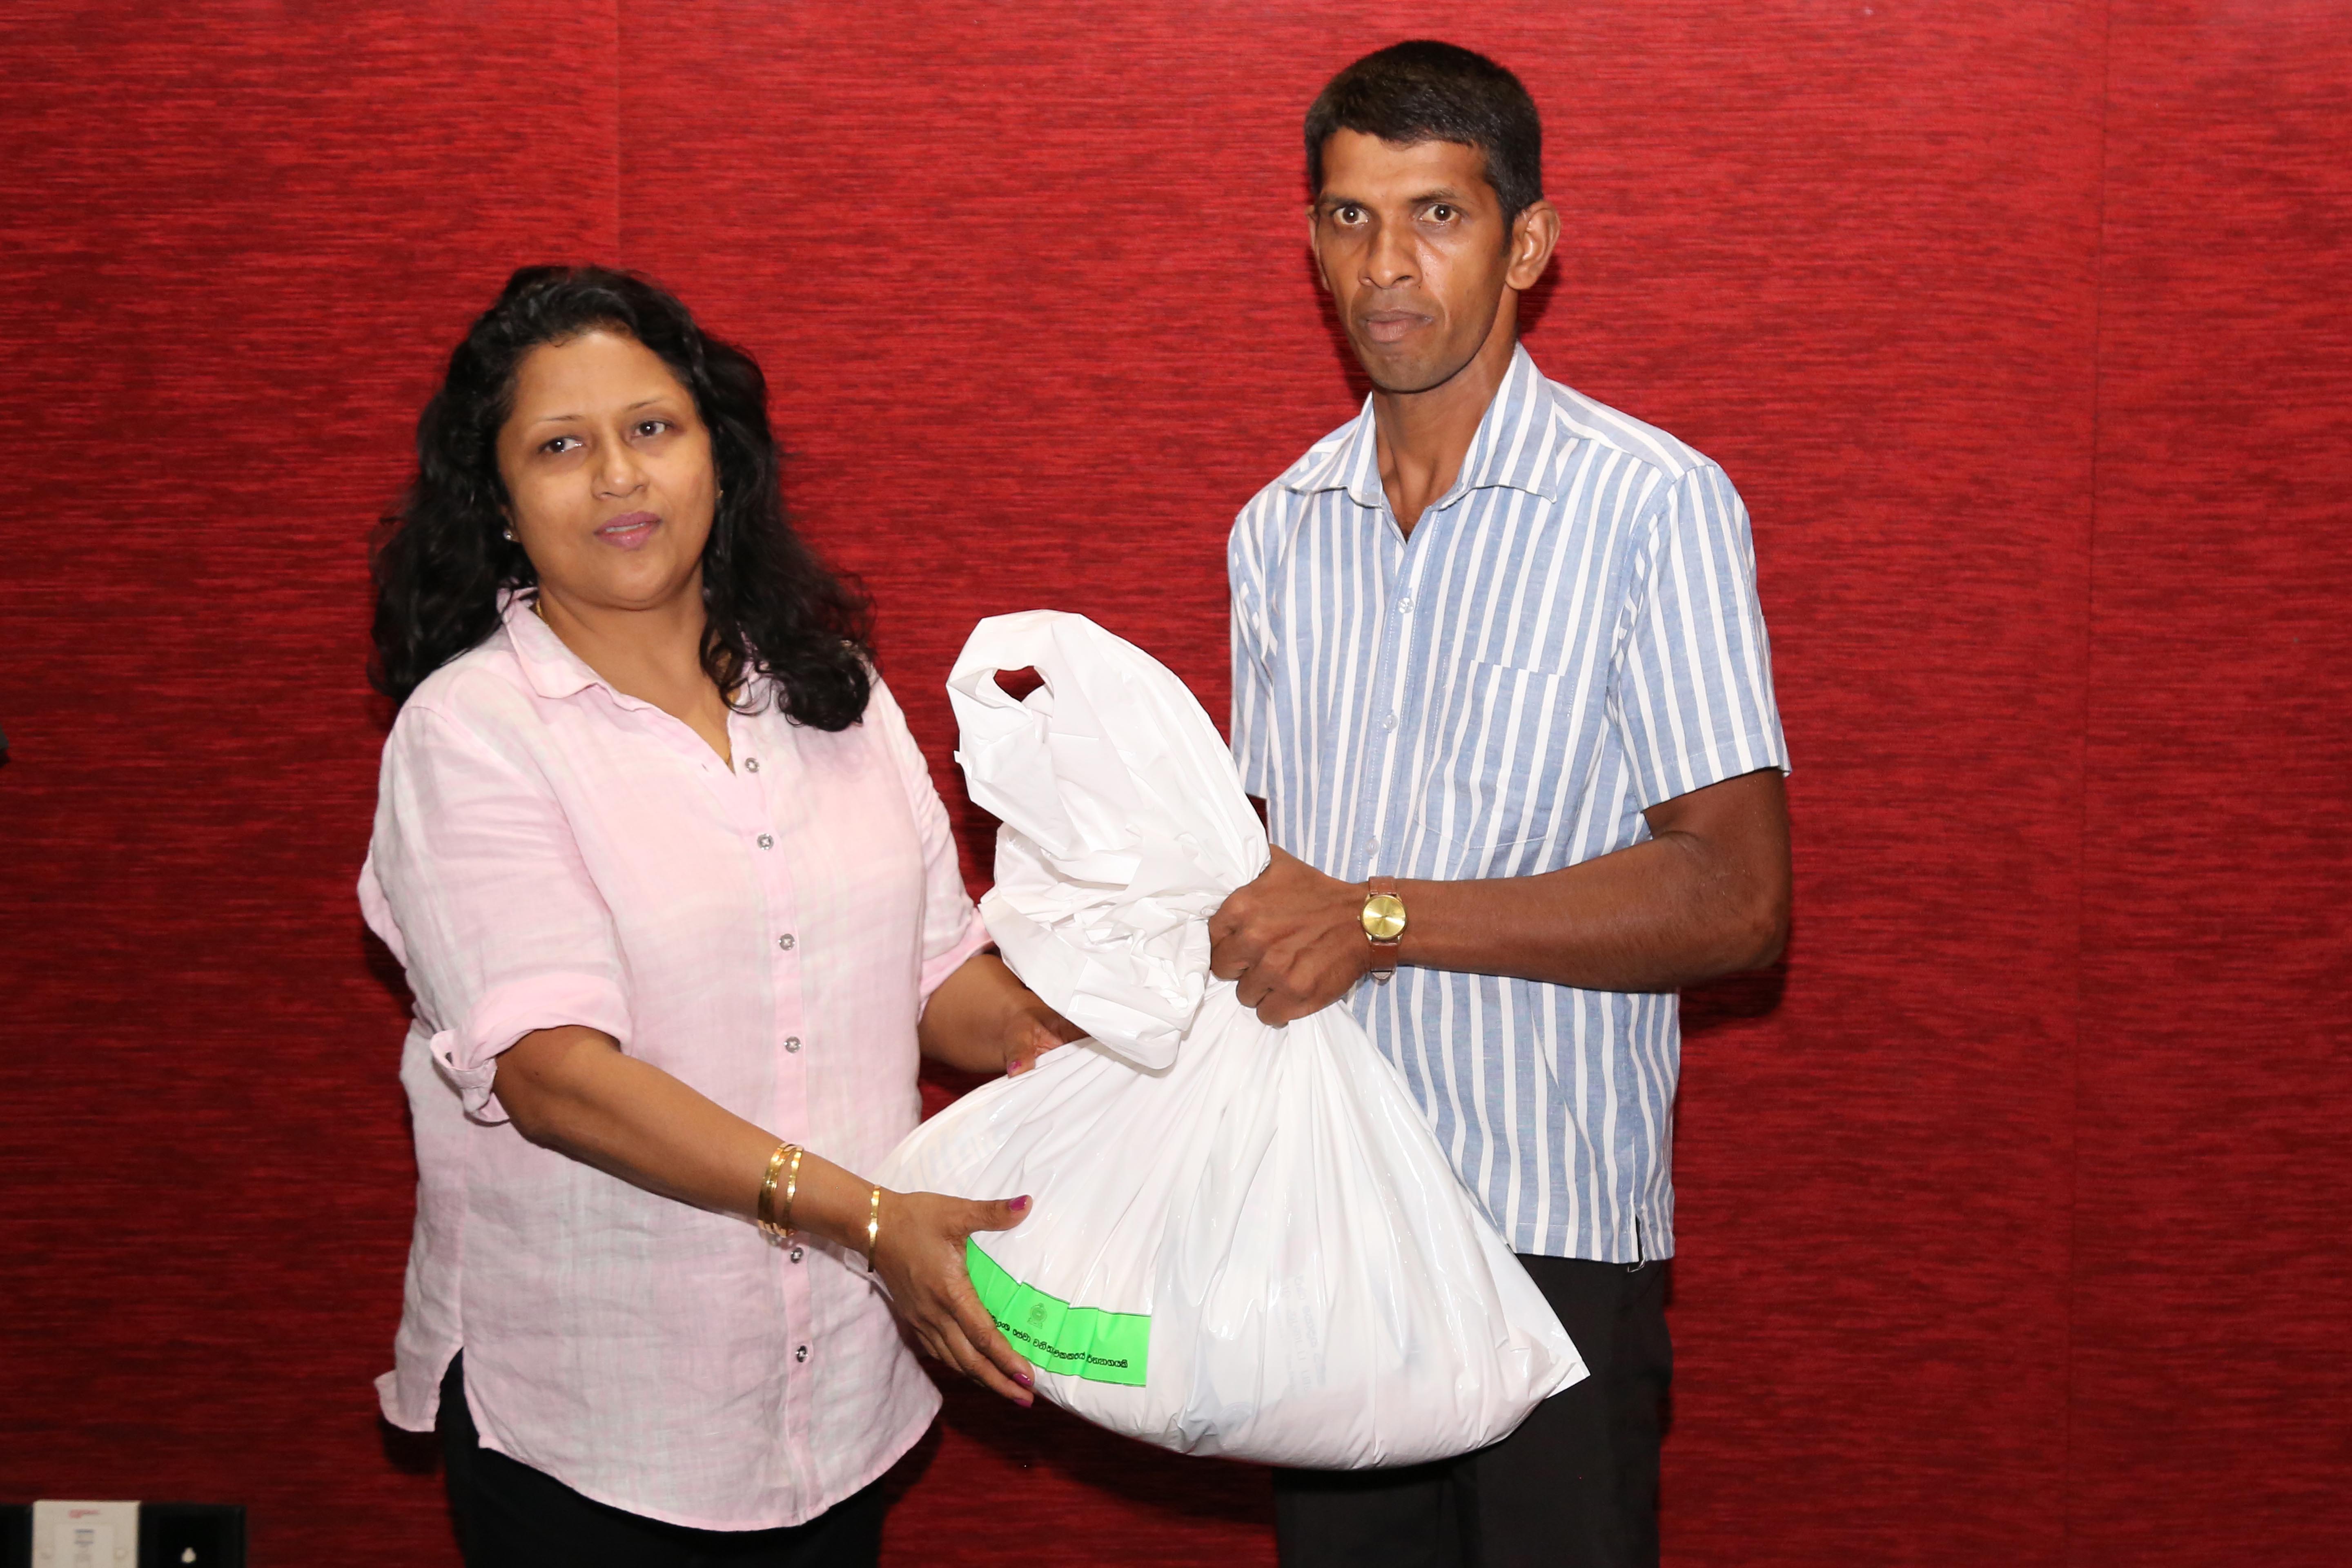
pixel 510 532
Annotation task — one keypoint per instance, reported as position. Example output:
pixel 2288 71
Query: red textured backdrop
pixel 2014 1209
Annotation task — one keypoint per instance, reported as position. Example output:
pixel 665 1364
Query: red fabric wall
pixel 2212 1289
pixel 2012 1206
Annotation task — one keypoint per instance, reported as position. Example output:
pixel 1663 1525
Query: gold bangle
pixel 873 1226
pixel 769 1226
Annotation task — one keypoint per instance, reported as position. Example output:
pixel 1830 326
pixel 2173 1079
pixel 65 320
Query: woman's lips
pixel 630 530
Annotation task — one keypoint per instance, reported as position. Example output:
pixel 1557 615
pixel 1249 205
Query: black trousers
pixel 1575 1486
pixel 511 1516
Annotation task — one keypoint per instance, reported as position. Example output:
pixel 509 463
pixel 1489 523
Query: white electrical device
pixel 85 1534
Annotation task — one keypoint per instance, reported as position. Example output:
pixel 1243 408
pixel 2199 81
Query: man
pixel 1501 683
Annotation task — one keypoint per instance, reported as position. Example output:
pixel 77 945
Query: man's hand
pixel 1293 940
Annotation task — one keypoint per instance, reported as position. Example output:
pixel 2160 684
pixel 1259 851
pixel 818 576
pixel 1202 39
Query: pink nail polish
pixel 1019 1205
pixel 1025 1380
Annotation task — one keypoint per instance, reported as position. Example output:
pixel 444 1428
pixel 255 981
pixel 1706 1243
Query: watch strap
pixel 1382 891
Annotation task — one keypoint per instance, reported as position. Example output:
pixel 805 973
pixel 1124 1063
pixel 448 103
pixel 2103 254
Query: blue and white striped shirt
pixel 1568 636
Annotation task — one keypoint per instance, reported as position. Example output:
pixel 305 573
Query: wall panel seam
pixel 620 254
pixel 2066 1477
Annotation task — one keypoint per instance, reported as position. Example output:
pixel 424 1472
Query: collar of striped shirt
pixel 1354 465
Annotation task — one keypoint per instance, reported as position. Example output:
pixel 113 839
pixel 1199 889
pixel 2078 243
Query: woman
pixel 680 907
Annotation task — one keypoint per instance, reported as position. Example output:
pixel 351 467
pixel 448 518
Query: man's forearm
pixel 1653 917
pixel 1707 895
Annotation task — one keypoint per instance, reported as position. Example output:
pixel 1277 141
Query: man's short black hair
pixel 1423 90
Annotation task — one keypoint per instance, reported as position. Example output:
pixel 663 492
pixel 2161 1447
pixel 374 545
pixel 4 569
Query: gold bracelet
pixel 873 1226
pixel 769 1226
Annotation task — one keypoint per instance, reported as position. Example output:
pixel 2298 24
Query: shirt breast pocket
pixel 1492 782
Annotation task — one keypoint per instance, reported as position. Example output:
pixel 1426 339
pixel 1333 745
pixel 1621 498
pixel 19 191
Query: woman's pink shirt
pixel 548 851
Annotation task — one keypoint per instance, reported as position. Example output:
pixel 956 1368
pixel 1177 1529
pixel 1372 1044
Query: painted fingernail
pixel 1027 1380
pixel 1019 1205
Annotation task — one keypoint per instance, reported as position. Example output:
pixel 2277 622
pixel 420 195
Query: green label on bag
pixel 1084 1342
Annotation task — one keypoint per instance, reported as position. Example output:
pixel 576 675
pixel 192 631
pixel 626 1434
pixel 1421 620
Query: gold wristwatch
pixel 1384 925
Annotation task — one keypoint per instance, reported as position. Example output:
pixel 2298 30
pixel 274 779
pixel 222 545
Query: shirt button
pixel 750 764
pixel 786 943
pixel 800 1355
pixel 1404 605
pixel 1387 721
pixel 791 1042
pixel 767 841
pixel 796 1255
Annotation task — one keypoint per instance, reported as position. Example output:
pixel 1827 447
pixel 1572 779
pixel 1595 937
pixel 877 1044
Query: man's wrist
pixel 1383 920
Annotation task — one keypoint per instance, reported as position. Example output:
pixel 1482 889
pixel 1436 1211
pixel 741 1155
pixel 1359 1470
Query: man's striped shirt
pixel 1568 636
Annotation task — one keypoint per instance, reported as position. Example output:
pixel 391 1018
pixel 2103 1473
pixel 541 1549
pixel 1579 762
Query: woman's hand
pixel 920 1254
pixel 1030 1029
pixel 982 1019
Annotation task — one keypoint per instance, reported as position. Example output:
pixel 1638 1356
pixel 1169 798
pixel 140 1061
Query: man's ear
pixel 1322 278
pixel 1534 234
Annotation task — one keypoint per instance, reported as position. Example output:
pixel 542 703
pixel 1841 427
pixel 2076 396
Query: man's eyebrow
pixel 1442 193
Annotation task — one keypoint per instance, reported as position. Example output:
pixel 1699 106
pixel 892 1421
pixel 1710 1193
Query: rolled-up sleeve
pixel 495 916
pixel 952 931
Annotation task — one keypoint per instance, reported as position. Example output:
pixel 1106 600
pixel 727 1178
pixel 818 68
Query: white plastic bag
pixel 1246 1241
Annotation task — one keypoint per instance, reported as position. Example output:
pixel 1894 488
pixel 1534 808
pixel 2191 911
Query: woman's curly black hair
pixel 441 560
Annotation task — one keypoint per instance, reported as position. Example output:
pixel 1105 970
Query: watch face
pixel 1383 917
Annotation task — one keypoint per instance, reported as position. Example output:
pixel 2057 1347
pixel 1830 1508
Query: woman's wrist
pixel 834 1204
pixel 962 1022
pixel 874 1225
pixel 774 1213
